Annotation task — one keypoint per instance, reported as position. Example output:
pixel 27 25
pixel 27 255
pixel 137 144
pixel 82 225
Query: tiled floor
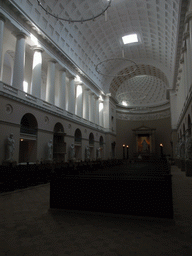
pixel 28 227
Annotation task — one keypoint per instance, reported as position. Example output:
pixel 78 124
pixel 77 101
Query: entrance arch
pixel 28 139
pixel 59 145
pixel 91 145
pixel 101 144
pixel 78 144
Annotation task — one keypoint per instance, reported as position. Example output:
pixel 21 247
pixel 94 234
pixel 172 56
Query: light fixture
pixel 107 66
pixel 82 10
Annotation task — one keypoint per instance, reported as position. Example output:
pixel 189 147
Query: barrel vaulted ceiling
pixel 158 23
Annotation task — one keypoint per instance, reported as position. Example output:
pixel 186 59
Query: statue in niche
pixel 87 153
pixel 98 152
pixel 188 148
pixel 50 150
pixel 72 152
pixel 10 148
pixel 144 146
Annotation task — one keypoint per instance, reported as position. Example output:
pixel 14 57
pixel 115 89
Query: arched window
pixel 29 124
pixel 91 139
pixel 59 146
pixel 28 139
pixel 78 136
pixel 101 141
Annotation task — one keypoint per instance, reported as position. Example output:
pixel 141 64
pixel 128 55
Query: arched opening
pixel 59 145
pixel 101 144
pixel 78 147
pixel 91 145
pixel 28 139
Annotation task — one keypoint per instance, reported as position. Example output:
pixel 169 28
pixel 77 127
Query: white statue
pixel 87 153
pixel 98 153
pixel 72 152
pixel 50 150
pixel 10 148
pixel 144 146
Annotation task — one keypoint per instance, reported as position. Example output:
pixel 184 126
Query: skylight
pixel 129 39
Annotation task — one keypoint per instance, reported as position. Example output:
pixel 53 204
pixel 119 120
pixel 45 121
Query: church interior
pixel 95 117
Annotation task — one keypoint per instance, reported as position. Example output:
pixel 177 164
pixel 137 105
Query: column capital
pixel 181 60
pixel 184 48
pixel 188 16
pixel 63 70
pixel 37 49
pixel 19 34
pixel 71 77
pixel 2 17
pixel 96 97
pixel 186 35
pixel 52 60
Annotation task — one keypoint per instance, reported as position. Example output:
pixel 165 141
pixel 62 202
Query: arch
pixel 58 128
pixel 59 145
pixel 28 138
pixel 78 136
pixel 101 142
pixel 91 139
pixel 78 148
pixel 28 124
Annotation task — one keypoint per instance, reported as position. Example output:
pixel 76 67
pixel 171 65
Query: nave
pixel 29 228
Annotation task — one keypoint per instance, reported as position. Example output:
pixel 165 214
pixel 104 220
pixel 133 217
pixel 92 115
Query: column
pixel 71 95
pixel 2 22
pixel 62 90
pixel 19 62
pixel 36 72
pixel 189 20
pixel 184 51
pixel 189 52
pixel 174 111
pixel 101 105
pixel 79 100
pixel 91 107
pixel 86 103
pixel 50 88
pixel 97 110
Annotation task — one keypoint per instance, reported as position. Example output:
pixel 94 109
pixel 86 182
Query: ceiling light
pixel 129 39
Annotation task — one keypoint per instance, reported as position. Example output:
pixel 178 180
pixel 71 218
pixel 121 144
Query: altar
pixel 144 141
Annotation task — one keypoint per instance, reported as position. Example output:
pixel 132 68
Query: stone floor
pixel 28 227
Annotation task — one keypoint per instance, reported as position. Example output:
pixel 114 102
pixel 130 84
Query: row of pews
pixel 139 189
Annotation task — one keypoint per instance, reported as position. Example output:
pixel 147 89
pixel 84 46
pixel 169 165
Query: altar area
pixel 144 146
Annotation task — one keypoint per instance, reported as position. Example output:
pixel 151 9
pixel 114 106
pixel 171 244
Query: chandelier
pixel 107 67
pixel 75 11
